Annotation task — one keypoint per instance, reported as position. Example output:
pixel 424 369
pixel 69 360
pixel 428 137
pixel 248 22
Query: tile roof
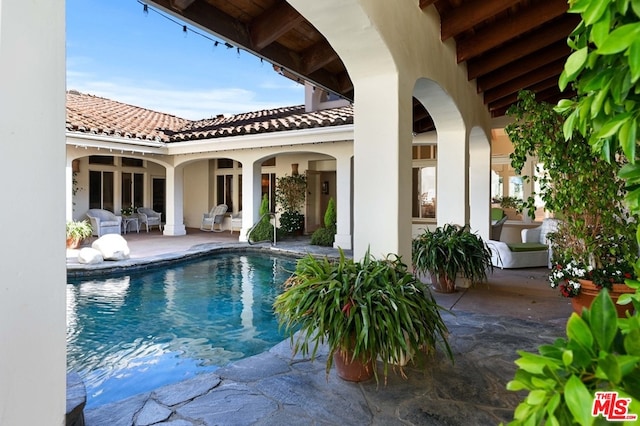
pixel 96 115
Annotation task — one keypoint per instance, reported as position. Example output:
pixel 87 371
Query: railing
pixel 271 216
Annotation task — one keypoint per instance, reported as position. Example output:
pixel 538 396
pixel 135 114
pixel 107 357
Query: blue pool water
pixel 133 333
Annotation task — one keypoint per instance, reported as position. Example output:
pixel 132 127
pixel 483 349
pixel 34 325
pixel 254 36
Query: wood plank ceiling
pixel 507 45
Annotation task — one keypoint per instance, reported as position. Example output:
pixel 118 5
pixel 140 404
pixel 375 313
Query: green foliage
pixel 375 307
pixel 510 203
pixel 577 185
pixel 291 192
pixel 263 230
pixel 330 215
pixel 291 222
pixel 601 353
pixel 78 229
pixel 449 250
pixel 326 236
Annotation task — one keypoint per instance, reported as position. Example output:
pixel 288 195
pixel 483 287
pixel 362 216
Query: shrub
pixel 263 230
pixel 326 236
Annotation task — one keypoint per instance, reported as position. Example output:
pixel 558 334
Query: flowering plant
pixel 127 211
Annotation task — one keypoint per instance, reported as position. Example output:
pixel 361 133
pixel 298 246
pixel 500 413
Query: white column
pixel 343 236
pixel 453 178
pixel 382 167
pixel 32 288
pixel 480 183
pixel 175 189
pixel 251 195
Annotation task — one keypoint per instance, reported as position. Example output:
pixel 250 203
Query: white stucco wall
pixel 32 287
pixel 196 192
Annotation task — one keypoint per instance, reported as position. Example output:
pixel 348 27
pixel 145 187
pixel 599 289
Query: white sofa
pixel 104 222
pixel 534 251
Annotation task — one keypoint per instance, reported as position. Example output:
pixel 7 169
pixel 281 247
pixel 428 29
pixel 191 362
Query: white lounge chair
pixel 214 218
pixel 150 218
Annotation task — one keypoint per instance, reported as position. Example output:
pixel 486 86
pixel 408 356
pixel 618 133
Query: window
pixel 101 190
pixel 101 159
pixel 224 190
pixel 424 191
pixel 131 162
pixel 269 188
pixel 225 163
pixel 132 190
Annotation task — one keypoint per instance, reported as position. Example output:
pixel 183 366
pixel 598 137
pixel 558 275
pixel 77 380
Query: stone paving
pixel 487 325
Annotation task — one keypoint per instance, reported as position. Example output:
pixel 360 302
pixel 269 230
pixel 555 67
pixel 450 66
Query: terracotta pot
pixel 352 371
pixel 442 284
pixel 589 291
pixel 73 243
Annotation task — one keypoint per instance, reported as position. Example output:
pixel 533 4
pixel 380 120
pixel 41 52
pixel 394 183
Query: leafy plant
pixel 78 229
pixel 510 203
pixel 325 236
pixel 451 250
pixel 291 192
pixel 601 353
pixel 577 185
pixel 263 230
pixel 291 222
pixel 374 307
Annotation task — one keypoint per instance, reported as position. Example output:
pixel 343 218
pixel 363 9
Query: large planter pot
pixel 352 371
pixel 73 243
pixel 589 291
pixel 442 284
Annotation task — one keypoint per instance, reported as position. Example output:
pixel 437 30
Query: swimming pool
pixel 133 333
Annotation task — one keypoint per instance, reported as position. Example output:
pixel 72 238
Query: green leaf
pixel 578 400
pixel 536 397
pixel 575 62
pixel 604 320
pixel 610 367
pixel 594 11
pixel 567 357
pixel 620 39
pixel 635 6
pixel 612 126
pixel 632 343
pixel 627 136
pixel 578 330
pixel 630 172
pixel 634 60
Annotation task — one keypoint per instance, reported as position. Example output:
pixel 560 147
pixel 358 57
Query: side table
pixel 128 220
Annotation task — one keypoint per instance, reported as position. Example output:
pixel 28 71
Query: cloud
pixel 185 103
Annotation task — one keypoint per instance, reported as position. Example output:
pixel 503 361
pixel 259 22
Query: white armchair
pixel 104 222
pixel 236 221
pixel 150 218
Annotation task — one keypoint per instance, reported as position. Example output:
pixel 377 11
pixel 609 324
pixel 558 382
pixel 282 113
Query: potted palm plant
pixel 77 230
pixel 364 311
pixel 448 252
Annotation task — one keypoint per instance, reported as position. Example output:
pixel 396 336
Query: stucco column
pixel 480 183
pixel 251 194
pixel 175 194
pixel 343 237
pixel 33 284
pixel 382 167
pixel 453 178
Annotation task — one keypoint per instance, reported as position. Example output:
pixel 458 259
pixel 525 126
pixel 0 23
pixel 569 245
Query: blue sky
pixel 116 51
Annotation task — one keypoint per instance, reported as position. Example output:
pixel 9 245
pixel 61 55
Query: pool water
pixel 133 333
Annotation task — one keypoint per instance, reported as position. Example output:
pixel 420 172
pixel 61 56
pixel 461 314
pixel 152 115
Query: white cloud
pixel 189 104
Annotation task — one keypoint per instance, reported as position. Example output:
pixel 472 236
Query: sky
pixel 117 51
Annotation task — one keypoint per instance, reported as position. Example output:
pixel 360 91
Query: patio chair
pixel 104 222
pixel 236 221
pixel 150 218
pixel 214 218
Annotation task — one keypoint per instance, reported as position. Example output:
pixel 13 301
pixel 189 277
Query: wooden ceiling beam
pixel 470 14
pixel 523 66
pixel 538 13
pixel 273 23
pixel 549 83
pixel 511 52
pixel 317 56
pixel 535 76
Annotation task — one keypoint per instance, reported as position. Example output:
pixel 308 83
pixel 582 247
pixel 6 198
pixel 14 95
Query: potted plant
pixel 290 195
pixel 567 381
pixel 77 230
pixel 448 252
pixel 364 311
pixel 326 235
pixel 595 238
